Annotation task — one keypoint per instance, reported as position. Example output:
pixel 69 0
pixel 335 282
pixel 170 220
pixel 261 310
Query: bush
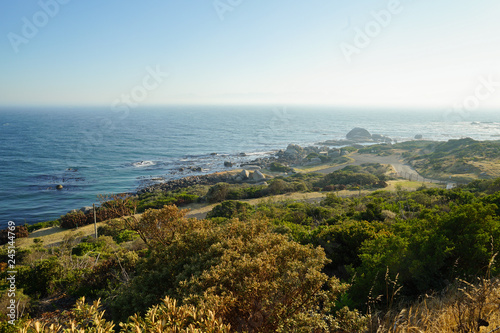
pixel 230 209
pixel 278 167
pixel 73 220
pixel 90 244
pixel 41 279
pixel 342 177
pixel 20 231
pixel 279 186
pixel 218 193
pixel 42 225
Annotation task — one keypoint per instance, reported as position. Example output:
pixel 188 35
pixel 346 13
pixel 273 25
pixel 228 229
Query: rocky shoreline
pixel 293 156
pixel 245 176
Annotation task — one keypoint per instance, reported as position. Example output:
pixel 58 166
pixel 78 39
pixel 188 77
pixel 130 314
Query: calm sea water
pixel 93 151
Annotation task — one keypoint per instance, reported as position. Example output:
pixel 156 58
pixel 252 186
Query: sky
pixel 358 53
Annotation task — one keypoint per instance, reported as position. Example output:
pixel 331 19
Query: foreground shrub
pixel 262 282
pixel 41 278
pixel 170 317
pixel 464 308
pixel 250 277
pixel 83 318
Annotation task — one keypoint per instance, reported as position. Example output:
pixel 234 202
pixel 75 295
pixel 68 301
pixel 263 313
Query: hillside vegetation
pixel 386 261
pixel 460 160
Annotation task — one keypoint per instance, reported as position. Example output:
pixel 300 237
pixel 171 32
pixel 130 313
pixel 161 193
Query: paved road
pixel 403 170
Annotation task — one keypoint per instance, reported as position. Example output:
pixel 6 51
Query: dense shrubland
pixel 394 261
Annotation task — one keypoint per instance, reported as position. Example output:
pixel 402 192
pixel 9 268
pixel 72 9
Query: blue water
pixel 93 151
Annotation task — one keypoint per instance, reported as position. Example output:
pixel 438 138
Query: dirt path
pixel 396 161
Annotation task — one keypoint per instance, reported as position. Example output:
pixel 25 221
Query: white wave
pixel 143 164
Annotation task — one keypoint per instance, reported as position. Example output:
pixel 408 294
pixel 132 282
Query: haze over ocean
pixel 93 151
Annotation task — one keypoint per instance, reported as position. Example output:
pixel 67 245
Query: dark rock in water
pixel 228 164
pixel 243 154
pixel 418 137
pixel 213 154
pixel 359 134
pixel 181 169
pixel 59 187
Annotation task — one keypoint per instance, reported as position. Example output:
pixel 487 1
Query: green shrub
pixel 41 278
pixel 279 186
pixel 218 193
pixel 278 167
pixel 125 236
pixel 90 244
pixel 347 177
pixel 230 209
pixel 42 225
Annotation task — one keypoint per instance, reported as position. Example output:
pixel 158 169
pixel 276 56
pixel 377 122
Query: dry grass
pixel 54 235
pixel 491 168
pixel 409 185
pixel 463 308
pixel 306 169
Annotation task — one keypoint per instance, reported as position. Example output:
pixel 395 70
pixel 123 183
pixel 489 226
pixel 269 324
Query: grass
pixel 54 235
pixel 306 169
pixel 491 168
pixel 409 185
pixel 464 307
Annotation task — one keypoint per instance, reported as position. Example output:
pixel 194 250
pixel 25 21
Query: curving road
pixel 403 170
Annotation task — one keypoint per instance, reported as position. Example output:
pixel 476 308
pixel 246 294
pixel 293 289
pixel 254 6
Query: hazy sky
pixel 439 53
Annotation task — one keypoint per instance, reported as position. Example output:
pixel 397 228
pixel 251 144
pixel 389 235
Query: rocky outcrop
pixel 257 176
pixel 211 179
pixel 293 150
pixel 86 209
pixel 381 138
pixel 244 174
pixel 251 166
pixel 359 134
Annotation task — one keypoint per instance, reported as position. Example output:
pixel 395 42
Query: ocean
pixel 93 150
